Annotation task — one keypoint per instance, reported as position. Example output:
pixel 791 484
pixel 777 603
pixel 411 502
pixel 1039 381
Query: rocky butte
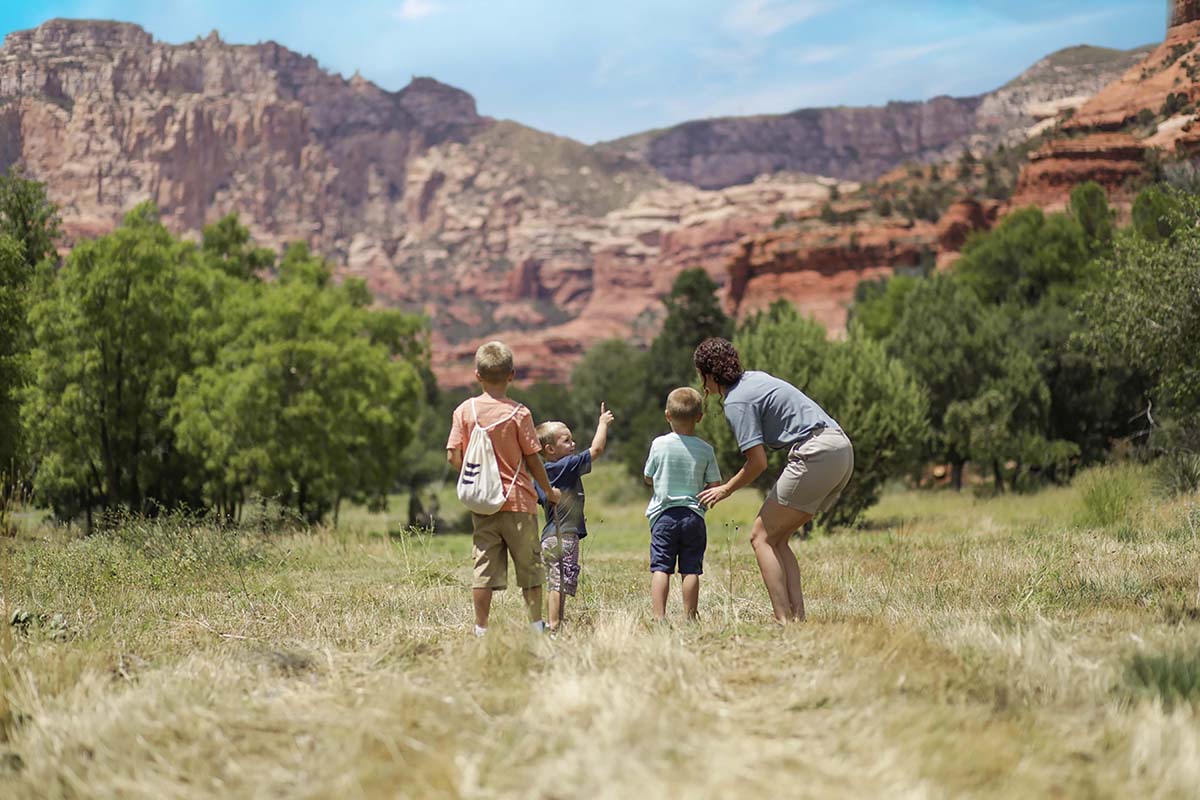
pixel 489 227
pixel 1146 114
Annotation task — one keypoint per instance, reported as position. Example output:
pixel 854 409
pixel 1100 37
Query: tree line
pixel 1055 339
pixel 145 372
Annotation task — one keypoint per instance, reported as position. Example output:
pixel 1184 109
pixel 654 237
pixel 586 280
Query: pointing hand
pixel 606 416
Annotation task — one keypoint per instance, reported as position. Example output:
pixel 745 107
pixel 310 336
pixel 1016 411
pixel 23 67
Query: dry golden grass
pixel 957 646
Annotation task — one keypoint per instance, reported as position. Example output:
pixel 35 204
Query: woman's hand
pixel 710 497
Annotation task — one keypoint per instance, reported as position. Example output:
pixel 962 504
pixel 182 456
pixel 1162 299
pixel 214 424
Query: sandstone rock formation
pixel 864 143
pixel 851 143
pixel 490 228
pixel 1113 134
pixel 818 267
pixel 1111 159
pixel 1171 68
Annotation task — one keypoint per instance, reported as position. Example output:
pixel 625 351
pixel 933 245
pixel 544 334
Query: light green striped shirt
pixel 680 466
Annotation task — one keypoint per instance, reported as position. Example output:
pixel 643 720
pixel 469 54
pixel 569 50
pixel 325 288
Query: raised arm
pixel 756 464
pixel 600 440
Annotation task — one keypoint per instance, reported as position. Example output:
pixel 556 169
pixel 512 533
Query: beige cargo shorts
pixel 504 534
pixel 817 472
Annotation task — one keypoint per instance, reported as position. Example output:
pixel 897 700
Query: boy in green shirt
pixel 679 467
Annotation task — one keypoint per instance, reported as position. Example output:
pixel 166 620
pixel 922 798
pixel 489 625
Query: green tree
pixel 1157 214
pixel 106 357
pixel 1089 206
pixel 1146 312
pixel 1006 420
pixel 28 232
pixel 693 315
pixel 13 338
pixel 28 216
pixel 307 403
pixel 1026 257
pixel 614 372
pixel 883 409
pixel 879 304
pixel 951 342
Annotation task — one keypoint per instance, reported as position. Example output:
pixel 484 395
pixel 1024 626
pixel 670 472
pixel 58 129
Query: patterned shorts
pixel 562 575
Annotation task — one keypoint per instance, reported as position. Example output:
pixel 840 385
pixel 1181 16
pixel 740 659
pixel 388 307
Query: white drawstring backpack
pixel 480 487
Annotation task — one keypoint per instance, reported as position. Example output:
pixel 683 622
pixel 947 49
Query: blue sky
pixel 598 69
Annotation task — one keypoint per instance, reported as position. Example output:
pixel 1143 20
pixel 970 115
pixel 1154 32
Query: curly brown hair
pixel 719 358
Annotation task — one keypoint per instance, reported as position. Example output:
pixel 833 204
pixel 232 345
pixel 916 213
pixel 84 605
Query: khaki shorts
pixel 500 535
pixel 817 471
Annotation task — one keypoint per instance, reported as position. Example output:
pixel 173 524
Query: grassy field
pixel 1007 647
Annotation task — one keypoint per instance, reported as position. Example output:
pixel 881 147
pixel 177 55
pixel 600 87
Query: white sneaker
pixel 538 627
pixel 480 632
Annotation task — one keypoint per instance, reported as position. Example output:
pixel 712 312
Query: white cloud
pixel 763 18
pixel 819 54
pixel 417 9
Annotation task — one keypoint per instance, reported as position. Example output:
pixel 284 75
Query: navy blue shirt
pixel 565 474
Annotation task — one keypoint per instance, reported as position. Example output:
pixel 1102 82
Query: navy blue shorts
pixel 678 534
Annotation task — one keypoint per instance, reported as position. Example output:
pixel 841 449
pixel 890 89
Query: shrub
pixel 1110 494
pixel 1178 472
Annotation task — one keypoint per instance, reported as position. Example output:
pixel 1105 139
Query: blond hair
pixel 494 362
pixel 548 432
pixel 685 404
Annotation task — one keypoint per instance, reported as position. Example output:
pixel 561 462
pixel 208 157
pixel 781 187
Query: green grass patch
pixel 1173 677
pixel 1110 495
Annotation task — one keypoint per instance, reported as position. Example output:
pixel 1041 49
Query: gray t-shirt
pixel 762 409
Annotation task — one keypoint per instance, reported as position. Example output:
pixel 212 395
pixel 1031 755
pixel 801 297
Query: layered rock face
pixel 819 268
pixel 849 143
pixel 1112 160
pixel 1111 136
pixel 1171 68
pixel 109 117
pixel 490 228
pixel 604 278
pixel 864 143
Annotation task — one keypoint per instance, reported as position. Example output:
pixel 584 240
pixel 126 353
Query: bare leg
pixel 791 569
pixel 533 603
pixel 482 600
pixel 691 595
pixel 552 606
pixel 775 523
pixel 660 587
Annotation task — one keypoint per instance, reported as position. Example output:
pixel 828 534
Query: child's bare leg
pixel 660 587
pixel 691 595
pixel 553 606
pixel 482 600
pixel 533 603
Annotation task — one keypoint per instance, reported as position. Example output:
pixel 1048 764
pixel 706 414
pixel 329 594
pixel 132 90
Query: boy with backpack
pixel 495 448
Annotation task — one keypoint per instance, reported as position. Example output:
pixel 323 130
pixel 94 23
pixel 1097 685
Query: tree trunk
pixel 956 473
pixel 998 477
